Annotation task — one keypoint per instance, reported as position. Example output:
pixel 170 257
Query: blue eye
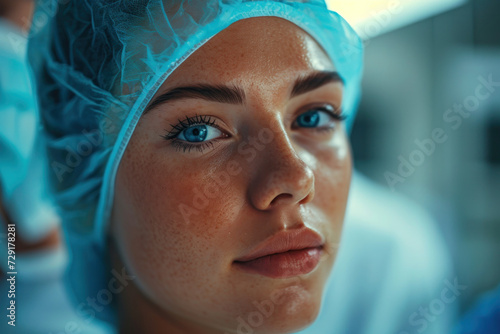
pixel 318 118
pixel 199 133
pixel 309 119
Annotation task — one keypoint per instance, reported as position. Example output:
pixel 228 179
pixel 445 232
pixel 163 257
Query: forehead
pixel 263 49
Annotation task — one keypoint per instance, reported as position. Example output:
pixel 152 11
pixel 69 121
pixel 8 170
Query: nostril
pixel 281 197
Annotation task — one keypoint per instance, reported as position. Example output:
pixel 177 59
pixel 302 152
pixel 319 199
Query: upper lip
pixel 285 241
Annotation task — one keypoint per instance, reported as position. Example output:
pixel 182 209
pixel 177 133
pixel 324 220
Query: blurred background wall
pixel 429 125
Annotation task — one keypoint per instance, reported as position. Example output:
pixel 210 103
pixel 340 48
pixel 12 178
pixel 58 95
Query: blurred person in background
pixel 40 256
pixel 24 198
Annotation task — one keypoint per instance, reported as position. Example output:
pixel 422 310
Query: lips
pixel 285 254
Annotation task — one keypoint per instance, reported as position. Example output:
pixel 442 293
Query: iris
pixel 196 133
pixel 309 119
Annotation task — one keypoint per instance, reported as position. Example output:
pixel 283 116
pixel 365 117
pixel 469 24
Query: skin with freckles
pixel 178 230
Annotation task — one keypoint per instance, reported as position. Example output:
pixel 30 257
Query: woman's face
pixel 242 144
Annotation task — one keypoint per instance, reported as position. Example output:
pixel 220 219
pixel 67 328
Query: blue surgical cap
pixel 97 65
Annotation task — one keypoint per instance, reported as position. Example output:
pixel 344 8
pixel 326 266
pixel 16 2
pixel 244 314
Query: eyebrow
pixel 313 81
pixel 236 95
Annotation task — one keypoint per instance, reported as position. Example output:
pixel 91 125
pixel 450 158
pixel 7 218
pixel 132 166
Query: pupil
pixel 196 133
pixel 309 119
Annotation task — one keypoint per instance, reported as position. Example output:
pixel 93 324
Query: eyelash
pixel 209 120
pixel 186 124
pixel 338 116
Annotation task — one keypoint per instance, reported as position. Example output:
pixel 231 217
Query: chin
pixel 286 311
pixel 291 319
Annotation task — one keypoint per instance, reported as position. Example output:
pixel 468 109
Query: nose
pixel 282 177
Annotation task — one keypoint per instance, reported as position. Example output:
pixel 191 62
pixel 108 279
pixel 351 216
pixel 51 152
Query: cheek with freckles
pixel 332 181
pixel 178 262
